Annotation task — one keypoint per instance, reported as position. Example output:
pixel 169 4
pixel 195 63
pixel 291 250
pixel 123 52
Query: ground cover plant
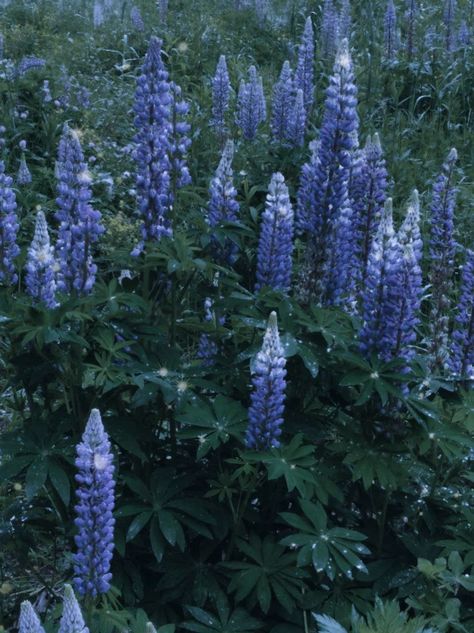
pixel 236 316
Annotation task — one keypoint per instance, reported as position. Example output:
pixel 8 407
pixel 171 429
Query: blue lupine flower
pixel 328 222
pixel 95 522
pixel 390 32
pixel 179 139
pixel 298 120
pixel 304 74
pixel 223 205
pixel 136 18
pixel 329 35
pixel 207 348
pixel 40 266
pixel 29 63
pixel 29 622
pixel 268 398
pixel 345 20
pixel 275 248
pixel 83 97
pixel 162 6
pixel 307 191
pixel 411 15
pixel 23 176
pixel 449 17
pixel 98 16
pixel 463 35
pixel 442 251
pixel 220 96
pixel 8 229
pixel 251 108
pixel 2 45
pixel 153 102
pixel 282 104
pixel 461 360
pixel 261 9
pixel 80 224
pixel 72 620
pixel 410 231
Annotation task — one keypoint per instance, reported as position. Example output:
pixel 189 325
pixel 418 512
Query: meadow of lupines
pixel 236 316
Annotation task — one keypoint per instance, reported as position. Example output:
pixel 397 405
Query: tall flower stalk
pixel 72 620
pixel 461 359
pixel 390 32
pixel 282 104
pixel 304 75
pixel 220 96
pixel 251 106
pixel 9 226
pixel 40 266
pixel 29 621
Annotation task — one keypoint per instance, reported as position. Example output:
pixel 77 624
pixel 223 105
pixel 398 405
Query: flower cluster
pixel 329 35
pixel 390 32
pixel 95 522
pixel 461 360
pixel 29 621
pixel 251 106
pixel 220 96
pixel 72 620
pixel 304 75
pixel 207 348
pixel 40 266
pixel 8 229
pixel 136 19
pixel 29 63
pixel 179 139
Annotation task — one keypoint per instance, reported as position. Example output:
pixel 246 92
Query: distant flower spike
pixel 179 138
pixel 267 400
pixel 207 349
pixel 461 361
pixel 449 18
pixel 8 229
pixel 304 75
pixel 220 96
pixel 411 15
pixel 71 620
pixel 40 266
pixel 329 30
pixel 29 622
pixel 282 104
pixel 24 175
pixel 251 108
pixel 390 32
pixel 136 18
pixel 298 120
pixel 345 20
pixel 275 249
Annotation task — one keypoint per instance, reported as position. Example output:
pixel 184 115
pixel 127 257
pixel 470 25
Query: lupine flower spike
pixel 136 19
pixel 411 15
pixel 251 108
pixel 71 620
pixel 80 224
pixel 329 36
pixel 220 96
pixel 95 522
pixel 461 361
pixel 304 75
pixel 207 348
pixel 152 109
pixel 442 251
pixel 40 266
pixel 24 175
pixel 298 120
pixel 8 229
pixel 449 18
pixel 275 248
pixel 29 622
pixel 150 628
pixel 390 32
pixel 268 398
pixel 179 139
pixel 282 104
pixel 345 20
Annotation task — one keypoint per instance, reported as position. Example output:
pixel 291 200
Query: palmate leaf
pixel 328 625
pixel 213 424
pixel 268 572
pixel 328 549
pixel 238 621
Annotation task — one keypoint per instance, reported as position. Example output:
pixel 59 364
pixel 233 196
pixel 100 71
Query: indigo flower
pixel 83 97
pixel 345 20
pixel 98 16
pixel 449 17
pixel 40 266
pixel 261 9
pixel 207 348
pixel 136 18
pixel 29 63
pixel 29 622
pixel 282 104
pixel 23 176
pixel 461 360
pixel 220 96
pixel 411 15
pixel 329 35
pixel 179 139
pixel 463 35
pixel 329 220
pixel 95 522
pixel 410 231
pixel 153 103
pixel 8 229
pixel 442 249
pixel 162 6
pixel 268 398
pixel 223 206
pixel 275 248
pixel 71 620
pixel 304 74
pixel 298 120
pixel 390 32
pixel 251 108
pixel 79 223
pixel 307 191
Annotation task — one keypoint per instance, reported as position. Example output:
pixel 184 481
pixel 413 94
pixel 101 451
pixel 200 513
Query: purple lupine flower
pixel 207 348
pixel 461 360
pixel 275 247
pixel 410 231
pixel 329 35
pixel 95 522
pixel 79 223
pixel 390 32
pixel 162 6
pixel 282 104
pixel 223 205
pixel 47 98
pixel 72 620
pixel 345 20
pixel 220 96
pixel 307 191
pixel 179 139
pixel 98 16
pixel 83 97
pixel 66 81
pixel 251 109
pixel 268 398
pixel 40 266
pixel 298 120
pixel 29 63
pixel 153 101
pixel 411 15
pixel 136 19
pixel 261 9
pixel 442 251
pixel 29 622
pixel 23 176
pixel 449 17
pixel 463 35
pixel 368 195
pixel 8 229
pixel 2 46
pixel 304 74
pixel 328 222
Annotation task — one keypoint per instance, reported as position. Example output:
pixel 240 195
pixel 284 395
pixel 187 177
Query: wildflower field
pixel 237 316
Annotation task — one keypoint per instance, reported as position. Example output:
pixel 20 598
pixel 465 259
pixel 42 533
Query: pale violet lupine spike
pixel 24 175
pixel 29 621
pixel 41 265
pixel 410 231
pixel 150 628
pixel 72 620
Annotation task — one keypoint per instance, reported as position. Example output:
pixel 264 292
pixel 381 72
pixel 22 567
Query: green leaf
pixel 137 525
pixel 169 526
pixel 156 539
pixel 36 476
pixel 60 481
